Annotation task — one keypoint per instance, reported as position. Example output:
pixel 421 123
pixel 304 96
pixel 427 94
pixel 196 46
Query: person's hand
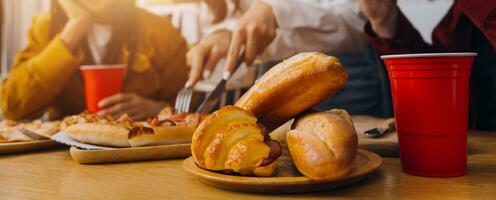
pixel 255 31
pixel 382 15
pixel 77 26
pixel 74 10
pixel 137 107
pixel 219 8
pixel 206 54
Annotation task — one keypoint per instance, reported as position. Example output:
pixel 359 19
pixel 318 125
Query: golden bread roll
pixel 230 140
pixel 293 86
pixel 323 145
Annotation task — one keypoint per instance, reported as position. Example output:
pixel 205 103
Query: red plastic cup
pixel 101 81
pixel 430 98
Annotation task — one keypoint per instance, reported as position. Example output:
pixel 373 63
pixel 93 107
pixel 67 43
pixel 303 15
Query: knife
pixel 382 129
pixel 63 138
pixel 31 134
pixel 209 103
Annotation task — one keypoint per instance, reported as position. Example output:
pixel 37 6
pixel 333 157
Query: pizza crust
pixel 163 135
pixel 99 134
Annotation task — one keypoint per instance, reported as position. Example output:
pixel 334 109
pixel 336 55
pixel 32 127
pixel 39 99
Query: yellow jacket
pixel 45 75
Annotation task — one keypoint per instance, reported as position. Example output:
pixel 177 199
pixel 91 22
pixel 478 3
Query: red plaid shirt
pixel 451 34
pixel 470 25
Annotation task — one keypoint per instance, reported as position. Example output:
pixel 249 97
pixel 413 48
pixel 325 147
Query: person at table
pixel 45 75
pixel 273 30
pixel 469 26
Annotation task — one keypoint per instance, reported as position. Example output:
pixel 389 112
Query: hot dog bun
pixel 292 87
pixel 323 145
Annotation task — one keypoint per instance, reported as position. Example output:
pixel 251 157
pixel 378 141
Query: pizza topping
pixel 194 119
pixel 126 121
pixel 155 121
pixel 166 112
pixel 86 117
pixel 125 118
pixel 140 130
pixel 166 117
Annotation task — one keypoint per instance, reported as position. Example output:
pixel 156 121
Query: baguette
pixel 293 86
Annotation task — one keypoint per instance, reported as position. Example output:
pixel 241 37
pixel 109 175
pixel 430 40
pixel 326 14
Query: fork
pixel 183 100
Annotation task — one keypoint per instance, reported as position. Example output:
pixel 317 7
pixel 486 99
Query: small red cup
pixel 101 81
pixel 430 98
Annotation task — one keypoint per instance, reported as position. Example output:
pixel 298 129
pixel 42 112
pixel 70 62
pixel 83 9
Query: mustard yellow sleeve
pixel 171 51
pixel 37 75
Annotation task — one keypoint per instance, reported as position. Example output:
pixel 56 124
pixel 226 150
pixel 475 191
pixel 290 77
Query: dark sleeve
pixel 483 14
pixel 405 40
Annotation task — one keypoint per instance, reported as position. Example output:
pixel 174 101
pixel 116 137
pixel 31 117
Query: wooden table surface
pixel 53 175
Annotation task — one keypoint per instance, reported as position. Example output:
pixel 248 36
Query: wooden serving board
pixel 130 154
pixel 286 179
pixel 18 147
pixel 386 146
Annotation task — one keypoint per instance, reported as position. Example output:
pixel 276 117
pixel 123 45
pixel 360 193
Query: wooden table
pixel 53 175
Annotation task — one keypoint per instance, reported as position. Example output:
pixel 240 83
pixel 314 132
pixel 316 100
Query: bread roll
pixel 230 140
pixel 293 86
pixel 323 145
pixel 207 130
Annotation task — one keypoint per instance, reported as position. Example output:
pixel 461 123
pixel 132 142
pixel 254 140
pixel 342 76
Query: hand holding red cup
pixel 100 82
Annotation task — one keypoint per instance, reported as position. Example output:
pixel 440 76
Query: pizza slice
pixel 10 130
pixel 165 128
pixel 9 133
pixel 47 128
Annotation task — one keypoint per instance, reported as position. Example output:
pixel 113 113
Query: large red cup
pixel 430 98
pixel 101 81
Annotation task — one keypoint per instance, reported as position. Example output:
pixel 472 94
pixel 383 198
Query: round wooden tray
pixel 286 179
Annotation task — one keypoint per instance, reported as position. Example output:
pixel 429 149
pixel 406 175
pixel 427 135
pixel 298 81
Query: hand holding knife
pixel 209 103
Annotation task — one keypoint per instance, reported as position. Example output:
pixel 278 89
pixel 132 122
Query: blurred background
pixel 185 15
pixel 193 20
